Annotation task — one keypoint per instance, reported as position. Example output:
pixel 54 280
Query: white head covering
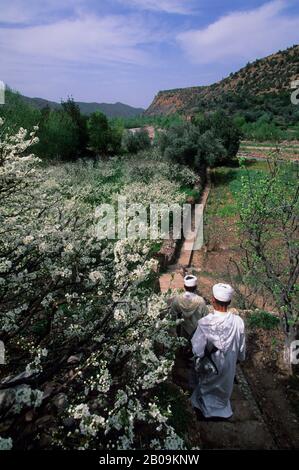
pixel 223 292
pixel 190 280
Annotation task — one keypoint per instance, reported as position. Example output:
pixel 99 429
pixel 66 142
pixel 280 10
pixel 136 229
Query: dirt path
pixel 247 428
pixel 173 278
pixel 253 425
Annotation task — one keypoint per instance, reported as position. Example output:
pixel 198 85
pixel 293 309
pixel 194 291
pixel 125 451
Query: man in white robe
pixel 225 331
pixel 189 306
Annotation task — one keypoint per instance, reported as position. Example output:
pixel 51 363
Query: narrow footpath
pixel 247 429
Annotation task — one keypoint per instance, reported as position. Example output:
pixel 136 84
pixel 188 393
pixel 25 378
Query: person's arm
pixel 199 342
pixel 204 310
pixel 201 311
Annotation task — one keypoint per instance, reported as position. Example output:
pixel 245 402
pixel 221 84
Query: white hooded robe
pixel 191 308
pixel 226 332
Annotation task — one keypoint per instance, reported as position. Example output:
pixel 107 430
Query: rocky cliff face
pixel 271 75
pixel 172 101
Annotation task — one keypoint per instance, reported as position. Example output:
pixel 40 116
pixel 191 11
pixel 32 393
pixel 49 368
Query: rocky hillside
pixel 269 76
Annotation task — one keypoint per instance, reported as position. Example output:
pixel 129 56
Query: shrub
pixel 186 145
pixel 264 320
pixel 136 142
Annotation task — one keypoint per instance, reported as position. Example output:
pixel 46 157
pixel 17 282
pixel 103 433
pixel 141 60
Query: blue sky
pixel 128 50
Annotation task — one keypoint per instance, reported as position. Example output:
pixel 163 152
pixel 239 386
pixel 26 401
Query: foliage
pixel 136 142
pixel 103 138
pixel 224 128
pixel 262 319
pixel 207 141
pixel 159 121
pixel 80 121
pixel 58 136
pixel 15 113
pixel 262 130
pixel 268 206
pixel 65 293
pixel 64 133
pixel 98 130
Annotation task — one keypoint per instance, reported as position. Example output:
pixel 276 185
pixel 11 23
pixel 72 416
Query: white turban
pixel 190 281
pixel 223 292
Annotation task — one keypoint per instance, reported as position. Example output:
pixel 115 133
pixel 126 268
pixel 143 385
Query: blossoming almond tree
pixel 79 316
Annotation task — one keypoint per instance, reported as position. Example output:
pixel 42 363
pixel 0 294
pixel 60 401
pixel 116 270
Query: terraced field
pixel 262 150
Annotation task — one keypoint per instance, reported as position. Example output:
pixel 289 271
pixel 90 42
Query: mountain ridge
pixel 271 75
pixel 112 110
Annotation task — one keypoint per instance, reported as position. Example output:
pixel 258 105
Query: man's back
pixel 191 308
pixel 224 331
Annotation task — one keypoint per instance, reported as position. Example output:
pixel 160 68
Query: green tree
pixel 224 128
pixel 269 214
pixel 99 133
pixel 58 136
pixel 136 142
pixel 210 149
pixel 116 130
pixel 17 113
pixel 186 144
pixel 80 121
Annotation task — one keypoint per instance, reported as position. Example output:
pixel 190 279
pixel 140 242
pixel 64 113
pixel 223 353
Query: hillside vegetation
pixel 261 87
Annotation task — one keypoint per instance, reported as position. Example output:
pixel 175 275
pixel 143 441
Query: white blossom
pixel 5 444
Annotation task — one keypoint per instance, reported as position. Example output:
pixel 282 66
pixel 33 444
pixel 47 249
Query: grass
pixel 226 187
pixel 228 210
pixel 219 203
pixel 189 192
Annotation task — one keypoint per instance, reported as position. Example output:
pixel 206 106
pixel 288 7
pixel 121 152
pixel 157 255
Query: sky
pixel 128 50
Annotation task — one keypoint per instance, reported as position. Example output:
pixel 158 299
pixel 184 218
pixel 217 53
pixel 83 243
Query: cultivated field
pixel 262 150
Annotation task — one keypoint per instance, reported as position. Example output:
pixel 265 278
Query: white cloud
pixel 21 12
pixel 82 40
pixel 90 56
pixel 242 35
pixel 183 7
